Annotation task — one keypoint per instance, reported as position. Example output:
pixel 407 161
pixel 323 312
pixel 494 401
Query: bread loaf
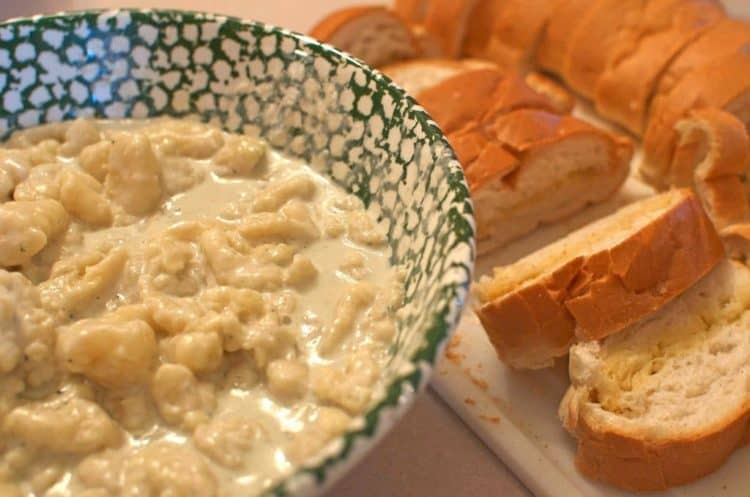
pixel 373 34
pixel 666 401
pixel 598 280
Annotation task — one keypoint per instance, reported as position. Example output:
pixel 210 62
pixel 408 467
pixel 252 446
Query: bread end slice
pixel 373 34
pixel 597 280
pixel 666 401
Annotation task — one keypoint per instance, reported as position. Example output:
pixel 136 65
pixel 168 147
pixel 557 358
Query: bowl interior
pixel 307 100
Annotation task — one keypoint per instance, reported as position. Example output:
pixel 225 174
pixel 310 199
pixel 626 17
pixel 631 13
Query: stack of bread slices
pixel 650 305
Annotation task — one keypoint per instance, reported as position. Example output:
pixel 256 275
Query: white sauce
pixel 202 315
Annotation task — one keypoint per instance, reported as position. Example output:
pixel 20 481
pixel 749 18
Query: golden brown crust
pixel 624 90
pixel 507 32
pixel 717 84
pixel 591 297
pixel 565 19
pixel 637 464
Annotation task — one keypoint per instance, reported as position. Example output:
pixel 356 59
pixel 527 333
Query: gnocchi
pixel 183 311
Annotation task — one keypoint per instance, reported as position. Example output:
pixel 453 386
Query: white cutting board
pixel 515 413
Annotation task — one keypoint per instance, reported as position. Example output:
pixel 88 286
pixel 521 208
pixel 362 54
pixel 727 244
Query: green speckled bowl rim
pixel 401 392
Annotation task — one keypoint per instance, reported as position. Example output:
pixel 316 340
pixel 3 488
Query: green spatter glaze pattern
pixel 306 99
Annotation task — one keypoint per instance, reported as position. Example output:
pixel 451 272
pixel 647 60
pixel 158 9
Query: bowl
pixel 307 100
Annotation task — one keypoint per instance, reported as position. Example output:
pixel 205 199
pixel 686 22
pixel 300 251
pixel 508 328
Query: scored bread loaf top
pixel 484 94
pixel 597 280
pixel 373 34
pixel 665 401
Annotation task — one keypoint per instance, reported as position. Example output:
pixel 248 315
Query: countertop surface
pixel 430 452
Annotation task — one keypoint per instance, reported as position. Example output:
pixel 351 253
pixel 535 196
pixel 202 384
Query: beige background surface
pixel 430 452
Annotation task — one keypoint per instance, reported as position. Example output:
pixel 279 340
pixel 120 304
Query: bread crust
pixel 591 297
pixel 635 463
pixel 330 26
pixel 431 72
pixel 624 89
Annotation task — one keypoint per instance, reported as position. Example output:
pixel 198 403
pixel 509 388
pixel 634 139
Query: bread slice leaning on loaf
pixel 713 156
pixel 666 401
pixel 373 34
pixel 722 84
pixel 597 280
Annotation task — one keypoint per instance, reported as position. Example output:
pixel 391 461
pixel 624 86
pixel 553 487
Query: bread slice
pixel 624 90
pixel 590 45
pixel 563 24
pixel 414 76
pixel 597 280
pixel 722 83
pixel 484 94
pixel 373 34
pixel 713 155
pixel 530 167
pixel 666 401
pixel 507 32
pixel 448 20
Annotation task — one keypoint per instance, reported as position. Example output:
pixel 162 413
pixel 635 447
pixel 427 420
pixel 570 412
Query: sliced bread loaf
pixel 372 34
pixel 712 155
pixel 666 401
pixel 736 238
pixel 597 280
